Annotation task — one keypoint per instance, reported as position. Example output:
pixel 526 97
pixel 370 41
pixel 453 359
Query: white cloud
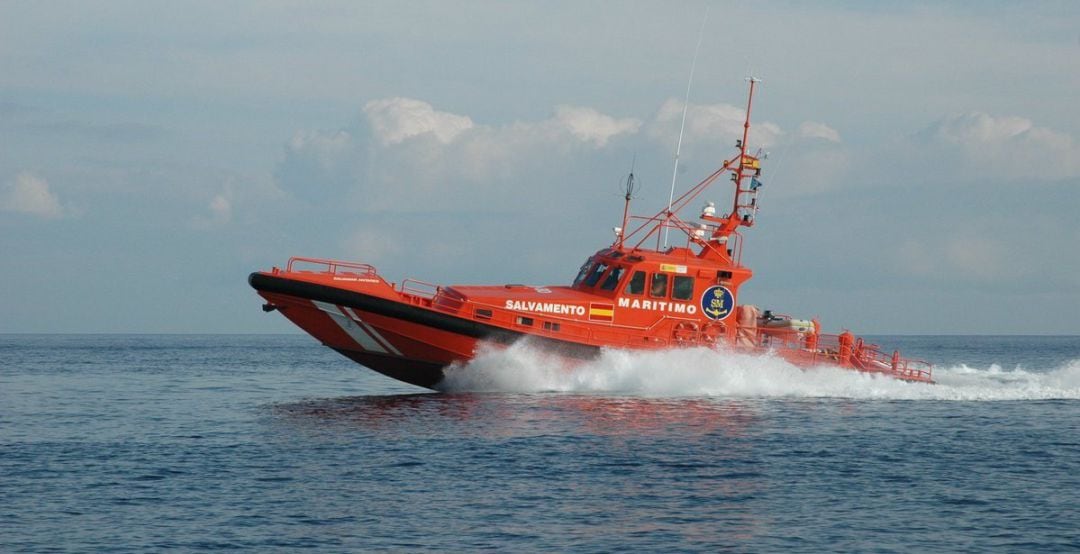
pixel 408 150
pixel 30 194
pixel 979 128
pixel 709 124
pixel 977 145
pixel 395 120
pixel 590 125
pixel 813 129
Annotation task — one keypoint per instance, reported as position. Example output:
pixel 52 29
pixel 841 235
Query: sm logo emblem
pixel 717 302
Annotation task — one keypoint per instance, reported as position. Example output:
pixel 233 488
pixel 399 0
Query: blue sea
pixel 145 443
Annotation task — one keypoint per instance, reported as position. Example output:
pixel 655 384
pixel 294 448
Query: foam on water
pixel 705 372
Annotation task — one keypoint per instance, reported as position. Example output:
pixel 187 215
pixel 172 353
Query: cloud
pixel 326 145
pixel 977 145
pixel 972 148
pixel 979 128
pixel 395 120
pixel 403 154
pixel 30 194
pixel 708 125
pixel 403 149
pixel 813 129
pixel 590 125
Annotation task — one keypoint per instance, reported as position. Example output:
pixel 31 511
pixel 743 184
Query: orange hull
pixel 413 336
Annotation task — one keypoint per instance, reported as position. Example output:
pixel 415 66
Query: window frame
pixel 644 280
pixel 675 287
pixel 667 285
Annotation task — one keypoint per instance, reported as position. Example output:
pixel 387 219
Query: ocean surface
pixel 143 443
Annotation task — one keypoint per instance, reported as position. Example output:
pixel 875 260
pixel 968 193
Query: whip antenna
pixel 620 232
pixel 682 126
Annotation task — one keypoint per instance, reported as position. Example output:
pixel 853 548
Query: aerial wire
pixel 682 126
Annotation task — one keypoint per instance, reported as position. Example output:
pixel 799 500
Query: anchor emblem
pixel 717 302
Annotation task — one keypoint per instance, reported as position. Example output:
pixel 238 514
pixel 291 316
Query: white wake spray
pixel 703 372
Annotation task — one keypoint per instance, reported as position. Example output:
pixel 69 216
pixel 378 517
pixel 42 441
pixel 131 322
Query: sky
pixel 923 173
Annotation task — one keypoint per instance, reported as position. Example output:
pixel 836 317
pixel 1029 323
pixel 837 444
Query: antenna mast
pixel 626 206
pixel 682 126
pixel 753 164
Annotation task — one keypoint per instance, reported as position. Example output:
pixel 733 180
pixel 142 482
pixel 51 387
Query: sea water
pixel 139 443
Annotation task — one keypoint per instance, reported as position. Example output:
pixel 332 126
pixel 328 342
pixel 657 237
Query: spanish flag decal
pixel 601 312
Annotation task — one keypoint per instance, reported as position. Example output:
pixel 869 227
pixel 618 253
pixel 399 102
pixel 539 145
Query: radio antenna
pixel 630 186
pixel 682 126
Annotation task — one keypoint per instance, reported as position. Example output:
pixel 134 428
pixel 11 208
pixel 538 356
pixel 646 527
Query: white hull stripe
pixel 372 331
pixel 358 334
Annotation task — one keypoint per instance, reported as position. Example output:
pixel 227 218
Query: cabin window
pixel 612 279
pixel 482 313
pixel 549 326
pixel 723 275
pixel 636 284
pixel 594 276
pixel 585 267
pixel 658 288
pixel 683 289
pixel 522 320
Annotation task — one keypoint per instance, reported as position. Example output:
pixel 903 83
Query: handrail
pixel 734 242
pixel 332 266
pixel 861 356
pixel 419 288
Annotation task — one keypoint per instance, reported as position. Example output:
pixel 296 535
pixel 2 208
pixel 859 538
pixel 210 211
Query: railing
pixel 420 289
pixel 335 267
pixel 874 360
pixel 662 224
pixel 856 353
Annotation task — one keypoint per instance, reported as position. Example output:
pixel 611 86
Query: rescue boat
pixel 636 294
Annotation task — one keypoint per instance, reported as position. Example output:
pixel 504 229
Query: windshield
pixel 594 276
pixel 612 280
pixel 583 271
